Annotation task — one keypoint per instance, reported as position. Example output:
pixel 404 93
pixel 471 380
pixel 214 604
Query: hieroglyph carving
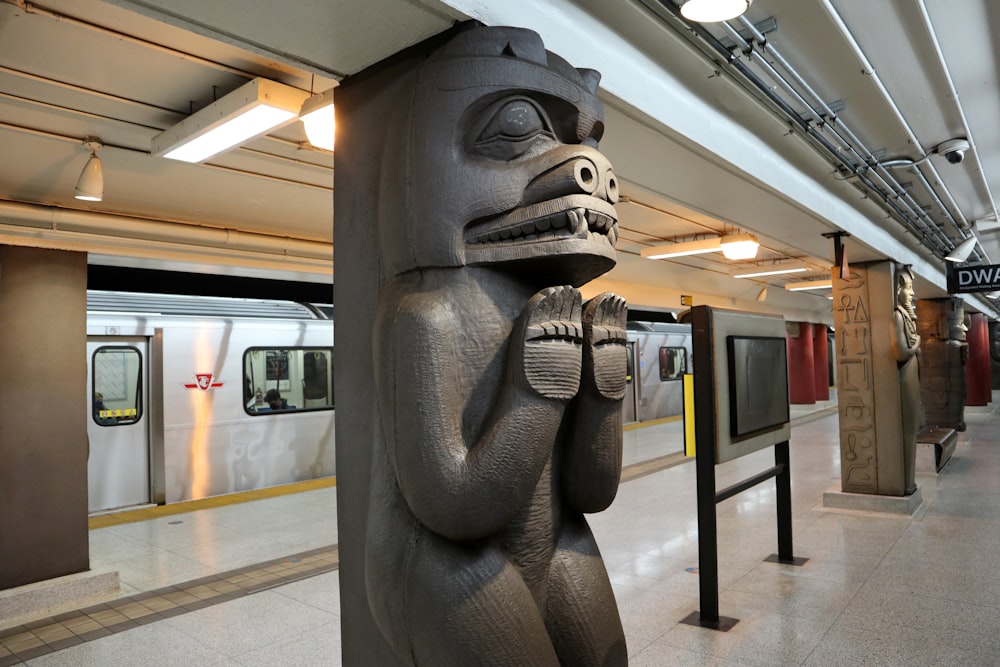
pixel 856 389
pixel 499 389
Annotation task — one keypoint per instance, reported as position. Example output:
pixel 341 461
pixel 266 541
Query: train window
pixel 116 396
pixel 673 363
pixel 287 379
pixel 629 363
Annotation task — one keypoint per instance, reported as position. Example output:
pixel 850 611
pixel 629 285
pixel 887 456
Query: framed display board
pixel 741 380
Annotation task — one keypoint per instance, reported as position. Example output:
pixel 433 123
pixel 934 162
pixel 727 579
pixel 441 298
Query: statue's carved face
pixel 566 207
pixel 504 166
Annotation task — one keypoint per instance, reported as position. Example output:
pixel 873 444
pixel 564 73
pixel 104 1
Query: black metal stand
pixel 708 548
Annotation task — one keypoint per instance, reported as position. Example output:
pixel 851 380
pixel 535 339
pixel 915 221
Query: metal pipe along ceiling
pixel 826 132
pixel 98 226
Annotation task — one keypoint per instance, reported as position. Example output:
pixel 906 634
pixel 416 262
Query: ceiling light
pixel 317 116
pixel 739 246
pixel 962 250
pixel 772 270
pixel 993 295
pixel 809 284
pixel 733 246
pixel 769 271
pixel 249 111
pixel 666 250
pixel 90 185
pixel 710 11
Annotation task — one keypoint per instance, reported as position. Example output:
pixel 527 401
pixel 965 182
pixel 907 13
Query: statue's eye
pixel 516 120
pixel 512 130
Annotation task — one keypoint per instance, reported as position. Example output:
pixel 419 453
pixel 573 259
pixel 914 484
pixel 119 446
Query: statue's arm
pixel 461 485
pixel 593 454
pixel 901 350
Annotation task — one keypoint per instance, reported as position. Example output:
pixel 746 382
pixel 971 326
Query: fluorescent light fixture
pixel 733 246
pixel 809 284
pixel 739 246
pixel 770 271
pixel 317 116
pixel 962 250
pixel 90 185
pixel 993 295
pixel 667 250
pixel 249 111
pixel 710 11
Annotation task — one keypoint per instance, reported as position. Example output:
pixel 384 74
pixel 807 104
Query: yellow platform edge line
pixel 654 422
pixel 185 506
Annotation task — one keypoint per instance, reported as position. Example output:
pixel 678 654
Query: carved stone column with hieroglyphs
pixel 873 453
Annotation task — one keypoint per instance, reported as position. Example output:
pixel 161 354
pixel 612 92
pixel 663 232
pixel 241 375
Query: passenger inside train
pixel 275 401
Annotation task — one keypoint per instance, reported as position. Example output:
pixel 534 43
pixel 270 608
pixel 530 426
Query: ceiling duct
pixel 785 91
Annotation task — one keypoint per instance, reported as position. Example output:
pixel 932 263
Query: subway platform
pixel 255 582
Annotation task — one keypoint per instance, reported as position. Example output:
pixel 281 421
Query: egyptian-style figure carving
pixel 906 350
pixel 499 390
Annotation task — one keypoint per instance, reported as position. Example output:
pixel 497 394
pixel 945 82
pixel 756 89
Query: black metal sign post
pixel 705 437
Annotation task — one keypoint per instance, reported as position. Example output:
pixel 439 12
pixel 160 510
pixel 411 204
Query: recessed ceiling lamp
pixel 317 116
pixel 90 185
pixel 733 246
pixel 773 270
pixel 962 250
pixel 249 111
pixel 710 11
pixel 809 284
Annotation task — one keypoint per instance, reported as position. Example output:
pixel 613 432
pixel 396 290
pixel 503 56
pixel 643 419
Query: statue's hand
pixel 551 342
pixel 604 356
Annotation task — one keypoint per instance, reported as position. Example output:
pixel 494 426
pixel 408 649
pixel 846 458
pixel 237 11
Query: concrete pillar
pixel 43 429
pixel 362 117
pixel 876 428
pixel 994 331
pixel 801 362
pixel 821 373
pixel 978 367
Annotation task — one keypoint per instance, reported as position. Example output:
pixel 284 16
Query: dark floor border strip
pixel 37 638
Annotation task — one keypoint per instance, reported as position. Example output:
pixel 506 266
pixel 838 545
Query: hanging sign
pixel 968 279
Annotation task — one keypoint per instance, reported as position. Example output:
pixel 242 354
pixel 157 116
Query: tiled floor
pixel 877 589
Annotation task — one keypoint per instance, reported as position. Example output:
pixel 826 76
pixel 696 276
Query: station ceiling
pixel 703 142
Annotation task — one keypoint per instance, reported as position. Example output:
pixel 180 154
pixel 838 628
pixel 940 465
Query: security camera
pixel 953 150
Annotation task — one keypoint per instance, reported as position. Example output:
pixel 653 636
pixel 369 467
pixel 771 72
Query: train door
pixel 628 407
pixel 118 470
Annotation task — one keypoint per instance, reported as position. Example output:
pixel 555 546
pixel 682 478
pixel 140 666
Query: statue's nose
pixel 591 175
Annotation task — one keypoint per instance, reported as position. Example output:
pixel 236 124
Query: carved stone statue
pixel 943 354
pixel 499 390
pixel 905 347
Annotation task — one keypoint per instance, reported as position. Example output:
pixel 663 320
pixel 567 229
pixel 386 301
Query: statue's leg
pixel 581 612
pixel 466 605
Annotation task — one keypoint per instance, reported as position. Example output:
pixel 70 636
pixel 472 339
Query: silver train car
pixel 193 397
pixel 659 355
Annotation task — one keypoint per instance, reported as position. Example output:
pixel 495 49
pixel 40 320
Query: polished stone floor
pixel 876 590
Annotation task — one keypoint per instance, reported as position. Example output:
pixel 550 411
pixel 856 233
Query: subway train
pixel 192 397
pixel 659 355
